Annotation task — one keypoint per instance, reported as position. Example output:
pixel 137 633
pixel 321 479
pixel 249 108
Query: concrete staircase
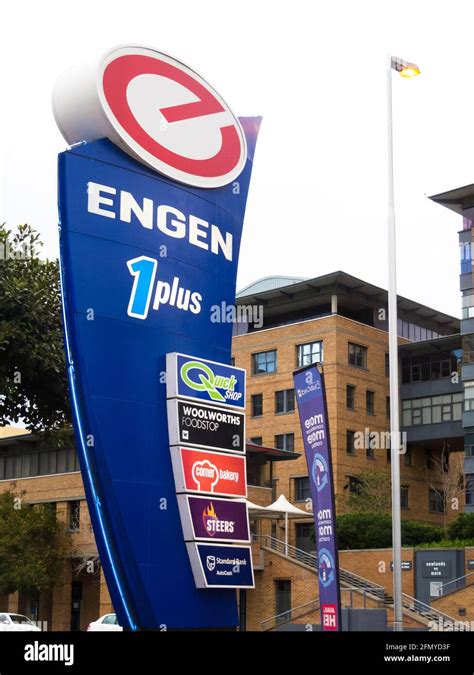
pixel 412 608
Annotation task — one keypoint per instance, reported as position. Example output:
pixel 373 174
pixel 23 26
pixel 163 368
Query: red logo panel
pixel 213 472
pixel 329 614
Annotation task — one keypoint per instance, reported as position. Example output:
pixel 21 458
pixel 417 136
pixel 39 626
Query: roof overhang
pixel 456 200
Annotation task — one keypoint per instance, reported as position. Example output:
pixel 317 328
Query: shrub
pixel 364 530
pixel 415 533
pixel 374 530
pixel 462 527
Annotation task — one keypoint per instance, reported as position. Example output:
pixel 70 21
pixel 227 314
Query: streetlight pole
pixel 406 70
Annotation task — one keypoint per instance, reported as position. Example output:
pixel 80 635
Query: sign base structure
pixel 143 262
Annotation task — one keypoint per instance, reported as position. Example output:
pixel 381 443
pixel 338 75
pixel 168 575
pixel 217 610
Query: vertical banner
pixel 312 408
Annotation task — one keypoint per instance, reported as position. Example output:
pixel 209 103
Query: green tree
pixel 373 493
pixel 34 545
pixel 33 383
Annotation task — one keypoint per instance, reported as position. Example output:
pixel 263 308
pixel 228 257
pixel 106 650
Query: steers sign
pixel 159 111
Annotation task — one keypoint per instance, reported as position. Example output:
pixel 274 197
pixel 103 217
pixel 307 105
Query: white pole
pixel 393 355
pixel 286 533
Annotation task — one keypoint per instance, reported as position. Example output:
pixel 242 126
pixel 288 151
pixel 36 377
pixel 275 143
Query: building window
pixel 350 435
pixel 357 355
pixel 436 501
pixel 468 396
pixel 369 451
pixel 415 333
pixel 353 485
pixel 429 367
pixel 387 365
pixel 468 451
pixel 254 472
pixel 408 456
pixel 404 496
pixel 232 360
pixel 28 464
pixel 256 440
pixel 284 401
pixel 469 482
pixel 350 397
pixel 256 405
pixel 74 515
pixel 429 461
pixel 285 442
pixel 432 409
pixel 387 406
pixel 370 402
pixel 305 537
pixel 282 600
pixel 302 491
pixel 468 306
pixel 309 353
pixel 264 362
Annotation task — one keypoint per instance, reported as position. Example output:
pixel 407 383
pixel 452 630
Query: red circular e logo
pixel 169 118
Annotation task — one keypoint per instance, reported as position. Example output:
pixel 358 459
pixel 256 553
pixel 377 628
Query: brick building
pixel 342 321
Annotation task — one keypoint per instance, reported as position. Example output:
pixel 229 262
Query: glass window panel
pixel 412 331
pixel 17 466
pixel 2 468
pixel 426 401
pixel 457 411
pixel 406 405
pixel 436 400
pixel 62 461
pixel 43 463
pixel 426 417
pixel 436 414
pixel 34 464
pixel 447 398
pixel 25 465
pixel 407 418
pixel 417 416
pixel 457 397
pixel 416 403
pixel 9 467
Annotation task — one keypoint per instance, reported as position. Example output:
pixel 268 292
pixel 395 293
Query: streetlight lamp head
pixel 405 68
pixel 411 70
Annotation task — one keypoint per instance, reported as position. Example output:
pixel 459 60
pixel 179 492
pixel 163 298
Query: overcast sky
pixel 315 71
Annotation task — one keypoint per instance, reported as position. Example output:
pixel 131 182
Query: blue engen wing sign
pixel 151 209
pixel 311 401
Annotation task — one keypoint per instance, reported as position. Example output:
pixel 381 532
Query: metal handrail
pixel 453 581
pixel 311 561
pixel 360 583
pixel 425 610
pixel 291 612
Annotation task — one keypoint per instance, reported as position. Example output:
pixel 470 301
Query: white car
pixel 9 622
pixel 108 622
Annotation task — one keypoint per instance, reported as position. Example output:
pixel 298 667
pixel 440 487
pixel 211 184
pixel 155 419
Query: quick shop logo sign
pixel 210 381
